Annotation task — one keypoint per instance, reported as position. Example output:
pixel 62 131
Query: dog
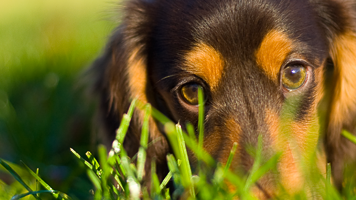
pixel 265 67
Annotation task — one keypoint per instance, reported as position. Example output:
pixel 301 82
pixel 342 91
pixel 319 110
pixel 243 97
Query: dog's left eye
pixel 294 76
pixel 189 93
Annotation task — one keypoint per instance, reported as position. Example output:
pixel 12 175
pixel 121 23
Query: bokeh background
pixel 45 45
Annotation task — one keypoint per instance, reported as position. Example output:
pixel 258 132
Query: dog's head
pixel 261 65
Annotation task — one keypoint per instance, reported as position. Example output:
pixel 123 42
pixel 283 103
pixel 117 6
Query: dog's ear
pixel 338 19
pixel 122 75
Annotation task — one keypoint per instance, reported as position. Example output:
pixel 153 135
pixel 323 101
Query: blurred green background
pixel 45 45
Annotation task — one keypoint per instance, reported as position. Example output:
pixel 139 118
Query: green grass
pixel 116 176
pixel 45 46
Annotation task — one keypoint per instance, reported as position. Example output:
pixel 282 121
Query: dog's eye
pixel 294 76
pixel 189 93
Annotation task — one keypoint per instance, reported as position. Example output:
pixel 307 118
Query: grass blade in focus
pixel 185 167
pixel 125 122
pixel 17 177
pixel 81 159
pixel 40 180
pixel 96 167
pixel 35 193
pixel 106 171
pixel 141 159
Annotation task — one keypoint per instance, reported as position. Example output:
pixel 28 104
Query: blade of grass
pixel 156 189
pixel 262 170
pixel 255 166
pixel 141 158
pixel 17 177
pixel 34 193
pixel 231 156
pixel 134 186
pixel 166 180
pixel 167 194
pixel 173 168
pixel 191 132
pixel 122 130
pixel 328 178
pixel 201 154
pixel 102 153
pixel 201 119
pixel 185 167
pixel 160 117
pixel 82 159
pixel 40 180
pixel 169 128
pixel 125 122
pixel 94 179
pixel 95 164
pixel 193 145
pixel 330 191
pixel 238 183
pixel 37 182
pixel 118 180
pixel 349 136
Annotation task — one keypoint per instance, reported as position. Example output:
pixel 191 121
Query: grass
pixel 116 176
pixel 45 46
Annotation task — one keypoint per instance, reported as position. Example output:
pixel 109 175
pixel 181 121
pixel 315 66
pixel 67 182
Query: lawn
pixel 45 47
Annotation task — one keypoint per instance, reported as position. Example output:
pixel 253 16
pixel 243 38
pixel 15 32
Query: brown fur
pixel 236 51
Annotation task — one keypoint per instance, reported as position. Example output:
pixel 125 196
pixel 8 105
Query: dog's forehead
pixel 239 24
pixel 233 39
pixel 234 35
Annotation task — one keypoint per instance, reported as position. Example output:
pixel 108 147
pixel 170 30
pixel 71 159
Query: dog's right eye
pixel 294 76
pixel 189 93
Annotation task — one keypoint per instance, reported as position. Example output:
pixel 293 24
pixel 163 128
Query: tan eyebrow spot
pixel 205 62
pixel 272 52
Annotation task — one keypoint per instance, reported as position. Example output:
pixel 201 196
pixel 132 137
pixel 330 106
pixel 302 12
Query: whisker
pixel 166 77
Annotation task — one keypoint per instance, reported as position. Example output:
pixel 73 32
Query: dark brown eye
pixel 189 93
pixel 294 76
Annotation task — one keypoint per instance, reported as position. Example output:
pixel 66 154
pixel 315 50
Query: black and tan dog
pixel 256 61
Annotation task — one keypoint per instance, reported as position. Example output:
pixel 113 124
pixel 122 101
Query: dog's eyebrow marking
pixel 137 71
pixel 205 62
pixel 272 52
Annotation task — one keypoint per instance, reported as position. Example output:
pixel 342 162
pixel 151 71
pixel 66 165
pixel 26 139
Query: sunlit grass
pixel 116 176
pixel 45 45
pixel 50 36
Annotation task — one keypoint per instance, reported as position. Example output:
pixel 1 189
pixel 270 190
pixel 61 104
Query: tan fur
pixel 213 142
pixel 297 143
pixel 272 52
pixel 205 62
pixel 290 176
pixel 137 74
pixel 343 54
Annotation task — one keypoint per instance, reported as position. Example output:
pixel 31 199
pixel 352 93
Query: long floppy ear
pixel 338 18
pixel 122 75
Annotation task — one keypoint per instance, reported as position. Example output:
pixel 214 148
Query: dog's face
pixel 260 65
